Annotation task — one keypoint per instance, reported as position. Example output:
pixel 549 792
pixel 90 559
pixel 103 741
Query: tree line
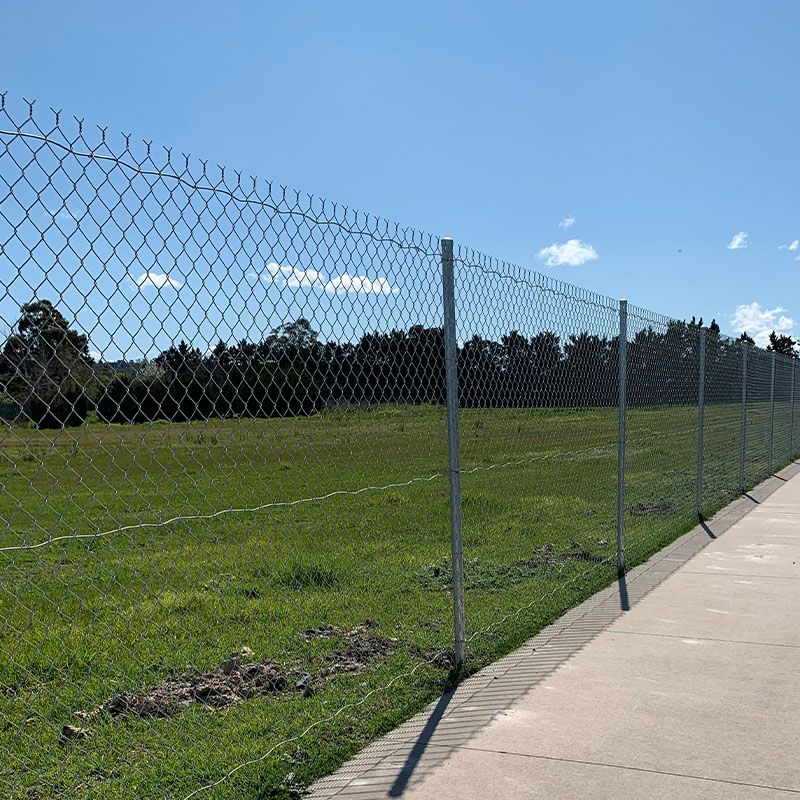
pixel 47 372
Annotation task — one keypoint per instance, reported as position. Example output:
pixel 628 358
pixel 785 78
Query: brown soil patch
pixel 241 677
pixel 236 679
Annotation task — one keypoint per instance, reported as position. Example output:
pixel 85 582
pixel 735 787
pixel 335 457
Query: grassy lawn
pixel 85 621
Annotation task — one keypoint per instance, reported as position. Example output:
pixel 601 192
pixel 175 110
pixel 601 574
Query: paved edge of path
pixel 389 765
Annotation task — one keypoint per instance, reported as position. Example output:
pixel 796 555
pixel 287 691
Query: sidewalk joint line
pixel 707 639
pixel 714 574
pixel 648 770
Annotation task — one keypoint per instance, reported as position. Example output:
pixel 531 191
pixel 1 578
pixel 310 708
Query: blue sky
pixel 666 130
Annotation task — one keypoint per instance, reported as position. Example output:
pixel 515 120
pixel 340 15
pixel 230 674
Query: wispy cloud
pixel 572 253
pixel 158 280
pixel 567 222
pixel 791 246
pixel 358 283
pixel 760 322
pixel 739 241
pixel 62 212
pixel 295 278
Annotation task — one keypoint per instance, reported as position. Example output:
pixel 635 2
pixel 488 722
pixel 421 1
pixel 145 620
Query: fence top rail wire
pixel 289 202
pixel 472 259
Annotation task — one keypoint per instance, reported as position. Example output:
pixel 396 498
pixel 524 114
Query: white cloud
pixel 572 253
pixel 760 322
pixel 792 246
pixel 296 278
pixel 95 355
pixel 358 283
pixel 276 269
pixel 301 277
pixel 292 276
pixel 567 222
pixel 739 241
pixel 157 279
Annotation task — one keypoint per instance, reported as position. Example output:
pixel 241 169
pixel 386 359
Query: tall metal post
pixel 743 435
pixel 451 380
pixel 771 411
pixel 623 380
pixel 791 413
pixel 701 406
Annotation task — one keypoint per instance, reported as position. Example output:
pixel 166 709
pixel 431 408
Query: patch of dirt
pixel 238 678
pixel 241 676
pixel 492 577
pixel 546 557
pixel 71 732
pixel 442 659
pixel 361 649
pixel 660 507
pixel 328 631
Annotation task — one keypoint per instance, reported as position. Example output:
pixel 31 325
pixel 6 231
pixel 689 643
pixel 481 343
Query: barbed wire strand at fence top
pixel 229 193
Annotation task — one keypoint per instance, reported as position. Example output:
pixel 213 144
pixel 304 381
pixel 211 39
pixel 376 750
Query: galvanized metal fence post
pixel 791 413
pixel 451 380
pixel 623 380
pixel 743 434
pixel 701 406
pixel 771 411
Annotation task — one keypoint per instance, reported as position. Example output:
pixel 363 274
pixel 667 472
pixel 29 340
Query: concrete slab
pixel 732 607
pixel 680 681
pixel 721 710
pixel 488 776
pixel 775 553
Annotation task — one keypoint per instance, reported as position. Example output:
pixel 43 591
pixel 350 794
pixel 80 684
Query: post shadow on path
pixel 709 532
pixel 401 759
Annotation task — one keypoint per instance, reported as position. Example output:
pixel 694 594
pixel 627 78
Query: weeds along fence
pixel 272 469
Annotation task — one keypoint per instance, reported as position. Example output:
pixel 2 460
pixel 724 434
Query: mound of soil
pixel 241 676
pixel 362 647
pixel 492 577
pixel 359 652
pixel 328 631
pixel 236 679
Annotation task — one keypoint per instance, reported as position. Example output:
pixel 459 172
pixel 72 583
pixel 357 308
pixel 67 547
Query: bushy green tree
pixel 45 366
pixel 782 343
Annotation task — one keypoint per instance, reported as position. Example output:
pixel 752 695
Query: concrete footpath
pixel 681 681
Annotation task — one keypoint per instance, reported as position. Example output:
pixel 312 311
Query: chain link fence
pixel 275 472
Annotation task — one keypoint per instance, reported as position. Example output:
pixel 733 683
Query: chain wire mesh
pixel 225 557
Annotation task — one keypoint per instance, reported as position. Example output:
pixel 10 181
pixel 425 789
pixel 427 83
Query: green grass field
pixel 86 620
